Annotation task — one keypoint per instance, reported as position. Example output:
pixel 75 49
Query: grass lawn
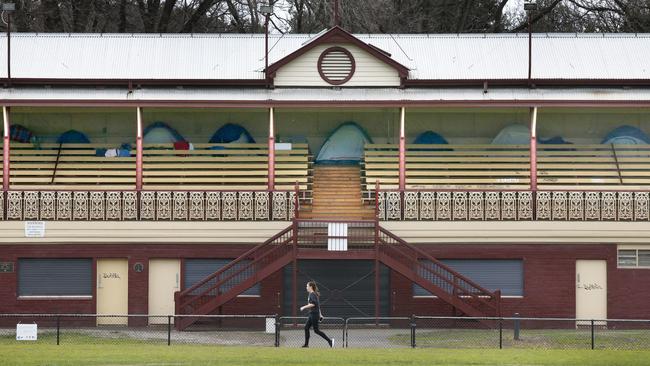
pixel 158 355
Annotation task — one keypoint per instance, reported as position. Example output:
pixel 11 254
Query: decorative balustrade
pixel 513 205
pixel 149 205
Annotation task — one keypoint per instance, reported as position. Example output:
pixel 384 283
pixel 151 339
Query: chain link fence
pixel 370 332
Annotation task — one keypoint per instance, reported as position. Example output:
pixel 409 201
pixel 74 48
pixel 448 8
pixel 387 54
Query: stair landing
pixel 337 195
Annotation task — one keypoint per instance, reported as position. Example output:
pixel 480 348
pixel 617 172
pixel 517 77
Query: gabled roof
pixel 340 36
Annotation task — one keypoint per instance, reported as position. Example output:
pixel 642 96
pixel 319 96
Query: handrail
pixel 234 262
pixel 437 262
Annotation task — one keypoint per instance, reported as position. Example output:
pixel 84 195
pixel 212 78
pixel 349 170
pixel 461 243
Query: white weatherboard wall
pixel 303 71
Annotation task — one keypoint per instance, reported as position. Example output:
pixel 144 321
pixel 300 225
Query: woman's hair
pixel 313 286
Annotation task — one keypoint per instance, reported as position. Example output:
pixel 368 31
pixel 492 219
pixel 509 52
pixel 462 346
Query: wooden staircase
pixel 337 195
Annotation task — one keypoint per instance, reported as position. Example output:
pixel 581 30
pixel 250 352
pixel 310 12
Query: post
pixel 402 151
pixel 6 146
pixel 500 333
pixel 516 326
pixel 376 284
pixel 271 173
pixel 169 330
pixel 413 331
pixel 593 335
pixel 138 151
pixel 277 330
pixel 533 150
pixel 377 218
pixel 58 329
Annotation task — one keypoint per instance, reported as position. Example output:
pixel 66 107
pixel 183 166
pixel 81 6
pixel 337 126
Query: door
pixel 591 289
pixel 112 290
pixel 164 280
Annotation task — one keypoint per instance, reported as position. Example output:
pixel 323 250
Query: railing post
pixel 58 329
pixel 169 330
pixel 516 326
pixel 500 333
pixel 277 330
pixel 6 172
pixel 593 335
pixel 377 200
pixel 413 325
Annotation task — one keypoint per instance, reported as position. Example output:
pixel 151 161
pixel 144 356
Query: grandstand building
pixel 406 174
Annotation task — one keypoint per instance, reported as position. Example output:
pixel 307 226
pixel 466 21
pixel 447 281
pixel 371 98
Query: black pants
pixel 312 321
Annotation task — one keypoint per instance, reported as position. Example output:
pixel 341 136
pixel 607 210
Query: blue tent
pixel 161 133
pixel 626 135
pixel 344 145
pixel 73 137
pixel 231 132
pixel 430 137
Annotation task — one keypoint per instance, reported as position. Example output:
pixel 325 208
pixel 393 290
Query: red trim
pixel 320 65
pixel 321 103
pixel 524 82
pixel 338 35
pixel 136 82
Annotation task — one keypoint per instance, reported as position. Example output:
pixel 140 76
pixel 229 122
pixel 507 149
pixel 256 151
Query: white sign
pixel 337 233
pixel 26 332
pixel 283 146
pixel 34 229
pixel 270 325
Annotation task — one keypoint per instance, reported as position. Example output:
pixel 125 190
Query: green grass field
pixel 156 355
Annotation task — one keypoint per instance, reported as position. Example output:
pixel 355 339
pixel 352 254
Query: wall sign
pixel 34 229
pixel 6 267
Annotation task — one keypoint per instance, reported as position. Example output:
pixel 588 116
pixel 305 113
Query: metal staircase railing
pixel 436 277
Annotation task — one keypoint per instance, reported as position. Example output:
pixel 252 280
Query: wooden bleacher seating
pixel 597 167
pixel 235 167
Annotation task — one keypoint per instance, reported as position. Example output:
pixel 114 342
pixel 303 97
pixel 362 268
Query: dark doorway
pixel 347 287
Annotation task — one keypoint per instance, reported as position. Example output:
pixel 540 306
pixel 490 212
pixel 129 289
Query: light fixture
pixel 530 5
pixel 9 7
pixel 266 9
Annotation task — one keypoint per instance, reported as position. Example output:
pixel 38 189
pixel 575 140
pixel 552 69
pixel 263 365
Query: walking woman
pixel 313 305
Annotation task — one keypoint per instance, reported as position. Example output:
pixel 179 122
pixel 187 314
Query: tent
pixel 514 134
pixel 161 133
pixel 344 145
pixel 626 135
pixel 20 133
pixel 231 132
pixel 73 137
pixel 430 137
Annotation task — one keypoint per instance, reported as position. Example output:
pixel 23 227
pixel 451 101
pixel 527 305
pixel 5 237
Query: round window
pixel 336 65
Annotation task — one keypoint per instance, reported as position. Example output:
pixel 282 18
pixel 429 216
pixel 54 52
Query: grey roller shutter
pixel 55 277
pixel 197 269
pixel 506 275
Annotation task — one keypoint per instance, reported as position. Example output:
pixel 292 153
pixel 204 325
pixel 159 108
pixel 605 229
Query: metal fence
pixel 385 332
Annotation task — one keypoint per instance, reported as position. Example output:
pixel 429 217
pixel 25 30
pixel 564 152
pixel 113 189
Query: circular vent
pixel 336 65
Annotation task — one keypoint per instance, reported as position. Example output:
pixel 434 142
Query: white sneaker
pixel 332 345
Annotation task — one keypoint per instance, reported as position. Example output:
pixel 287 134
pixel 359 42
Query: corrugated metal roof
pixel 241 56
pixel 360 95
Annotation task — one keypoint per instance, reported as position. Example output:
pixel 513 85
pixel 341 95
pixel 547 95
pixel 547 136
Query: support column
pixel 138 151
pixel 402 151
pixel 5 148
pixel 533 149
pixel 271 173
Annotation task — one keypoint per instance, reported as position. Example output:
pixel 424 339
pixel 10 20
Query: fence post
pixel 516 326
pixel 593 336
pixel 58 329
pixel 277 330
pixel 345 331
pixel 169 330
pixel 413 331
pixel 500 333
